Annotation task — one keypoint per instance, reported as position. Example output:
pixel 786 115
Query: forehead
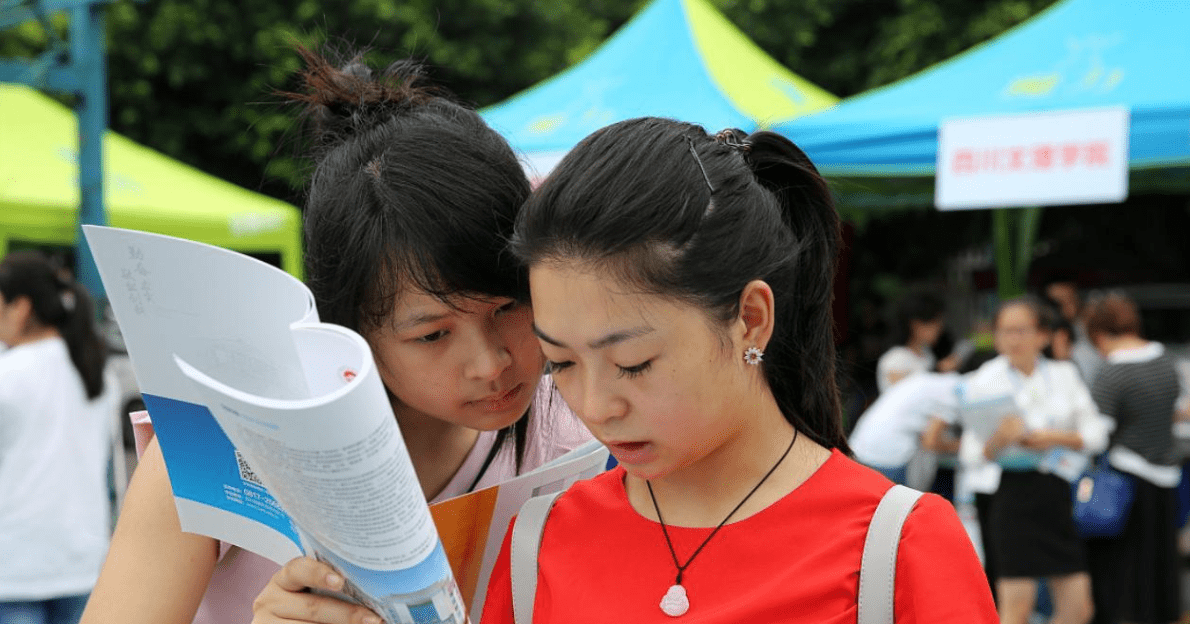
pixel 581 295
pixel 1017 315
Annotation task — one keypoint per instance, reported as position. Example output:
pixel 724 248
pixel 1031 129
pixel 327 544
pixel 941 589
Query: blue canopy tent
pixel 880 146
pixel 676 58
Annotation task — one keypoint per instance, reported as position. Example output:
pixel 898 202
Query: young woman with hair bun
pixel 56 426
pixel 409 207
pixel 681 286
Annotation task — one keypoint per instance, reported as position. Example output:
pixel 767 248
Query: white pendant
pixel 675 602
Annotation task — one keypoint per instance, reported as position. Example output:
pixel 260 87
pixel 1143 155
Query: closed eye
pixel 552 367
pixel 634 371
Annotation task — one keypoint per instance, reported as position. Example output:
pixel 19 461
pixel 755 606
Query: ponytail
pixel 800 362
pixel 59 302
pixel 86 347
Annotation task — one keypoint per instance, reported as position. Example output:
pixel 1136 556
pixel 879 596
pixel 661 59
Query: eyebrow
pixel 606 341
pixel 419 319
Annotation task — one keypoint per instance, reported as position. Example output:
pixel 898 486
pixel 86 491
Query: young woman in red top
pixel 681 286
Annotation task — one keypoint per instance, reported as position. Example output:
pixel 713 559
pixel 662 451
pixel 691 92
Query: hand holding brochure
pixel 278 434
pixel 983 417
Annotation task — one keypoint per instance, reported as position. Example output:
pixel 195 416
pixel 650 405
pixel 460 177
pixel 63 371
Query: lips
pixel 632 452
pixel 499 402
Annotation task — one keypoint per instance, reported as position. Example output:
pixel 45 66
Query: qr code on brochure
pixel 246 471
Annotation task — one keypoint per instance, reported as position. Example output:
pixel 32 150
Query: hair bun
pixel 344 98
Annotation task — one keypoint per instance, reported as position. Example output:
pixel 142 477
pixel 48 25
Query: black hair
pixel 922 307
pixel 663 206
pixel 1060 277
pixel 1057 323
pixel 58 301
pixel 410 191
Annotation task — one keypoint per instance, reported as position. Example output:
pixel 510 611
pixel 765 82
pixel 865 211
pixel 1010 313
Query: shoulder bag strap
pixel 526 540
pixel 877 572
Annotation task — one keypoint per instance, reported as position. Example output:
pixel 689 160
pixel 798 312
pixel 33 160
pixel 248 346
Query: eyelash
pixel 552 367
pixel 440 334
pixel 434 337
pixel 630 372
pixel 633 372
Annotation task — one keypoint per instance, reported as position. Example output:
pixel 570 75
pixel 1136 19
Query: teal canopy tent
pixel 880 146
pixel 676 58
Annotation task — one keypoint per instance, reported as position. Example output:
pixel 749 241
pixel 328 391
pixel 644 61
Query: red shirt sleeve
pixel 939 577
pixel 497 606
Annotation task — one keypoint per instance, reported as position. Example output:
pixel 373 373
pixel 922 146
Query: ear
pixel 19 312
pixel 756 318
pixel 22 308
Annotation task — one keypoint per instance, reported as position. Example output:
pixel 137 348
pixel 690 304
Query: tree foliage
pixel 196 79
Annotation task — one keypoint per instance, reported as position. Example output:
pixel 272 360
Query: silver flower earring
pixel 753 356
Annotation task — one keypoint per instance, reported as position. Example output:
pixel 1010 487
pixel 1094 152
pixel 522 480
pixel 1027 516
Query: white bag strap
pixel 526 540
pixel 878 570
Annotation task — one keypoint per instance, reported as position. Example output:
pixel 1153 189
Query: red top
pixel 796 561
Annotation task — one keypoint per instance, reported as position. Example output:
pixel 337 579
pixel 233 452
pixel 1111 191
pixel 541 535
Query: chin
pixel 647 472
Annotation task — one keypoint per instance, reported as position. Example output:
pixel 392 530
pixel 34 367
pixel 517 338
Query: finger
pixel 306 572
pixel 310 608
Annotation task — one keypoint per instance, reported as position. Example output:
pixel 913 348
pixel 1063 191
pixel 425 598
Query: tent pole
pixel 88 56
pixel 1006 285
pixel 1027 223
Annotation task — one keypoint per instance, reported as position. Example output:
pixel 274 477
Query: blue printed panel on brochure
pixel 204 466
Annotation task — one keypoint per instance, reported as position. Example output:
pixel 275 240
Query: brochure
pixel 982 417
pixel 278 435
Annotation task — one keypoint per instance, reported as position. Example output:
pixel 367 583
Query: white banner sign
pixel 1035 159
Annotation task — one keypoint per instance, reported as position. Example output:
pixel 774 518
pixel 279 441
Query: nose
pixel 490 359
pixel 599 403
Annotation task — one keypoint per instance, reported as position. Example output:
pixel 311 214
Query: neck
pixel 703 493
pixel 1127 342
pixel 1025 366
pixel 436 447
pixel 34 335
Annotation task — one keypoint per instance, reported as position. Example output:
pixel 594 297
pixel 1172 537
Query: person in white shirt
pixel 1033 454
pixel 57 415
pixel 889 433
pixel 919 324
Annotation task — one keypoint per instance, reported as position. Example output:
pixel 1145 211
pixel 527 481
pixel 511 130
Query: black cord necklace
pixel 675 602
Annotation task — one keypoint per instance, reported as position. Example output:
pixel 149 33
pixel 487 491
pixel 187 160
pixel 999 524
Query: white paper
pixel 222 343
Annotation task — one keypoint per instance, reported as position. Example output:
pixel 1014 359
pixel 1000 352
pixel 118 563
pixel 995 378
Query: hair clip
pixel 730 138
pixel 694 153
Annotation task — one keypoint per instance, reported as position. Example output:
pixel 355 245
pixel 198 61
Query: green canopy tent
pixel 144 190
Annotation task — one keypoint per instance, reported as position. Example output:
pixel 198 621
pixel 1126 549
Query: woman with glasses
pixel 1054 423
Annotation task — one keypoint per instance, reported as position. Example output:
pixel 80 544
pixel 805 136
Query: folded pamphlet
pixel 279 437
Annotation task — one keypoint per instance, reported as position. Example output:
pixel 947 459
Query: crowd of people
pixel 1080 386
pixel 681 286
